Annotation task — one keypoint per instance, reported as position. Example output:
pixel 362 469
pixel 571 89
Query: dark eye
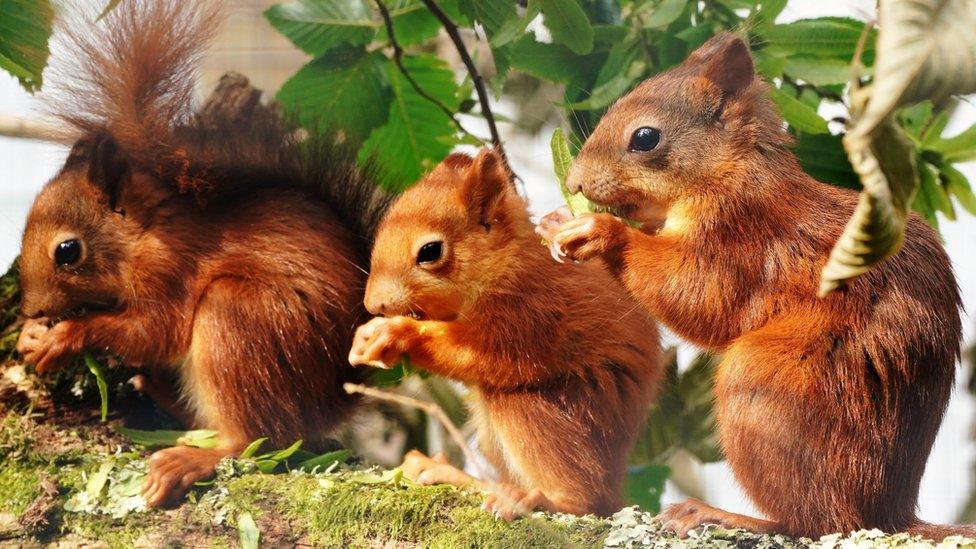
pixel 67 252
pixel 644 139
pixel 430 252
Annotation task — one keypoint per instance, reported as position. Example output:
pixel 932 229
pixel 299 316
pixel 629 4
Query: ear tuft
pixel 485 186
pixel 107 168
pixel 725 60
pixel 458 161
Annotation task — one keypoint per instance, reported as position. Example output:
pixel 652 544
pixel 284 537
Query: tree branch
pixel 476 77
pixel 398 60
pixel 12 126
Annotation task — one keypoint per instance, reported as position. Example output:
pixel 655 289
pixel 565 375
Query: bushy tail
pixel 132 75
pixel 938 532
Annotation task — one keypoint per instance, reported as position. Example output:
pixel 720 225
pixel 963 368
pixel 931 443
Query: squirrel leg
pixel 435 470
pixel 682 518
pixel 172 471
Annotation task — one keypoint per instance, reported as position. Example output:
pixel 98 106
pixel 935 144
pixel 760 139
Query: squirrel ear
pixel 485 186
pixel 726 61
pixel 107 168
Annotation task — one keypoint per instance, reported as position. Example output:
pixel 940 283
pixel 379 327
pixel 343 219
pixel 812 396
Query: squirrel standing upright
pixel 561 364
pixel 226 251
pixel 827 408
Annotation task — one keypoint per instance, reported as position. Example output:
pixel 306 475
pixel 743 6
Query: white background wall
pixel 26 165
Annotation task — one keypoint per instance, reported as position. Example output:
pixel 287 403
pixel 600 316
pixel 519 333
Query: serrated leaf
pixel 96 369
pixel 926 50
pixel 799 115
pixel 958 185
pixel 417 134
pixel 961 148
pixel 821 37
pixel 248 531
pixel 317 26
pixel 340 91
pixel 661 14
pixel 819 71
pixel 25 28
pixel 568 24
pixel 412 21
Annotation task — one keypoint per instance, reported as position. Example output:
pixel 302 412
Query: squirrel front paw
pixel 48 348
pixel 380 342
pixel 582 238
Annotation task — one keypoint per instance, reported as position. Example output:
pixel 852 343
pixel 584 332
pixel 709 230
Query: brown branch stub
pixel 479 81
pixel 13 126
pixel 430 408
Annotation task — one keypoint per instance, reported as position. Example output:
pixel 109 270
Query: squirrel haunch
pixel 561 365
pixel 222 249
pixel 827 408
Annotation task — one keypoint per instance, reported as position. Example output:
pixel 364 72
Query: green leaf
pixel 546 61
pixel 25 27
pixel 823 157
pixel 514 27
pixel 562 160
pixel 914 119
pixel 108 9
pixel 317 26
pixel 200 438
pixel 933 131
pixel 248 531
pixel 800 116
pixel 822 37
pixel 412 21
pixel 282 455
pixel 645 485
pixel 96 369
pixel 492 14
pixel 339 91
pixel 956 183
pixel 931 187
pixel 662 14
pixel 769 10
pixel 417 134
pixel 325 461
pixel 252 448
pixel 819 71
pixel 568 24
pixel 961 148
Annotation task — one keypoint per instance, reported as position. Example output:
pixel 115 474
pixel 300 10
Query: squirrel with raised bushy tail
pixel 225 252
pixel 827 408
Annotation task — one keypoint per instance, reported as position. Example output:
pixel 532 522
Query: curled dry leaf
pixel 926 50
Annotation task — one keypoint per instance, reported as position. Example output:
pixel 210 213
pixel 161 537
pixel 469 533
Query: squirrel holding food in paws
pixel 227 252
pixel 561 364
pixel 826 408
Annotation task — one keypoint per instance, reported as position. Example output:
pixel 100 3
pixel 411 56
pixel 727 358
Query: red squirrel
pixel 561 364
pixel 227 252
pixel 826 408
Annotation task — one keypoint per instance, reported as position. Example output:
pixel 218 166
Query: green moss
pixel 19 486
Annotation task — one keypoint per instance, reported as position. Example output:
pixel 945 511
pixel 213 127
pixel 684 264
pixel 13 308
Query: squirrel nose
pixel 574 179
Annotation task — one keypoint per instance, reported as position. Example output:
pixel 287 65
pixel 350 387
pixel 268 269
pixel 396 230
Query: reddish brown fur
pixel 207 250
pixel 561 364
pixel 827 408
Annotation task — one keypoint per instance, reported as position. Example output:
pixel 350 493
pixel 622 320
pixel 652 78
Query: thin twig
pixel 398 60
pixel 432 409
pixel 476 77
pixel 12 126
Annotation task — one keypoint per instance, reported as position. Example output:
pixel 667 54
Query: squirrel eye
pixel 644 139
pixel 67 252
pixel 430 252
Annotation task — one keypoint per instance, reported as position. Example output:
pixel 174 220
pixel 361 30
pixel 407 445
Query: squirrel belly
pixel 561 363
pixel 827 408
pixel 222 246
